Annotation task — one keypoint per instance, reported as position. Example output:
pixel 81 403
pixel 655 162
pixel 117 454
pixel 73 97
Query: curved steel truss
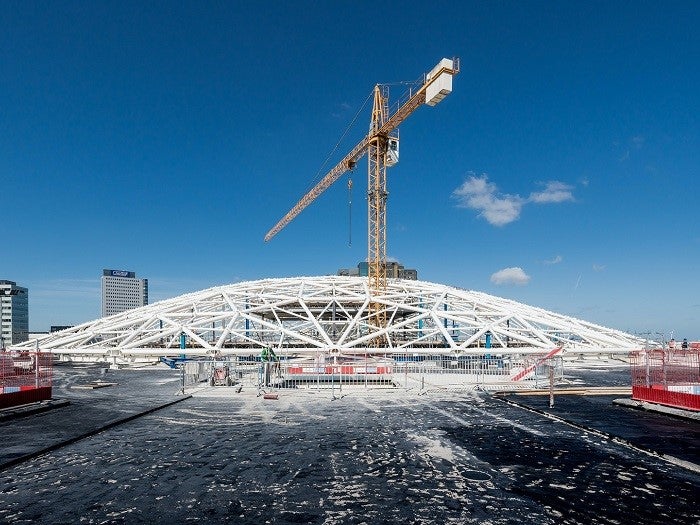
pixel 332 314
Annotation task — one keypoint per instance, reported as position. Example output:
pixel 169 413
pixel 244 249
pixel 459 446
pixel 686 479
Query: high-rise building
pixel 122 291
pixel 14 313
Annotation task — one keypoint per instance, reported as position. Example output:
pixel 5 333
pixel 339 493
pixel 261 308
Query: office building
pixel 122 291
pixel 394 270
pixel 14 313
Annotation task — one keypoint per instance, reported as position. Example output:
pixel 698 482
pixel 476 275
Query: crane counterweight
pixel 440 78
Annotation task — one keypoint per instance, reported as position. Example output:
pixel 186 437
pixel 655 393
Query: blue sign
pixel 120 273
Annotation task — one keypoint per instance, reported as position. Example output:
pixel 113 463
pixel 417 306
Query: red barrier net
pixel 667 377
pixel 25 377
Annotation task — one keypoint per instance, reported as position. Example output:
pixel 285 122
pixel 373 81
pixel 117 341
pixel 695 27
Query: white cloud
pixel 631 145
pixel 477 193
pixel 556 260
pixel 342 111
pixel 499 209
pixel 514 275
pixel 553 192
pixel 598 267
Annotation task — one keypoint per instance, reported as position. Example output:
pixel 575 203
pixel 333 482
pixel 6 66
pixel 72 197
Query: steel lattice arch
pixel 331 314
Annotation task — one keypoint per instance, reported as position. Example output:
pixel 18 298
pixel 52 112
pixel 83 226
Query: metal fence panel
pixel 25 377
pixel 667 376
pixel 327 371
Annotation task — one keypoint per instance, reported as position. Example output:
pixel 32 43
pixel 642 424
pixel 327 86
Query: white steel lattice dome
pixel 307 315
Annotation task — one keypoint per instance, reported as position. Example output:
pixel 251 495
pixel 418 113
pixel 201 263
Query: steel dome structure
pixel 308 315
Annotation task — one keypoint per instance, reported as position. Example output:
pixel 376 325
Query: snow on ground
pixel 350 456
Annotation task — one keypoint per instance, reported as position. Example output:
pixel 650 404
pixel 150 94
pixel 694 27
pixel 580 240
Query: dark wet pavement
pixel 378 457
pixel 657 432
pixel 133 391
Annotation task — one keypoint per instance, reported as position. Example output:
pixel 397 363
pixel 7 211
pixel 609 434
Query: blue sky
pixel 168 137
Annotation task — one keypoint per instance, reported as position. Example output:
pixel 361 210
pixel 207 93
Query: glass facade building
pixel 14 313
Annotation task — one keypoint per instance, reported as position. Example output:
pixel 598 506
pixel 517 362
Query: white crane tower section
pixel 442 85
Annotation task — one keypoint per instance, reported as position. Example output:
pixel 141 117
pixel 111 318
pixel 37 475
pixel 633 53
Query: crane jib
pixel 437 85
pixel 342 167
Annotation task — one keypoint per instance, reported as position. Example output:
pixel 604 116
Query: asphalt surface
pixel 366 457
pixel 87 410
pixel 657 432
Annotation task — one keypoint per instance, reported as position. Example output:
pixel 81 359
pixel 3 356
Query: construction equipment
pixel 382 148
pixel 220 376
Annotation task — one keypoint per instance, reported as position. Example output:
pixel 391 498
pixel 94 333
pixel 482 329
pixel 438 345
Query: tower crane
pixel 382 148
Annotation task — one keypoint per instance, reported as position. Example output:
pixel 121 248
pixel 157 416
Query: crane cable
pixel 352 123
pixel 325 162
pixel 350 211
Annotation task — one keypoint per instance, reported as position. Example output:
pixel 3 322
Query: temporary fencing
pixel 329 371
pixel 667 376
pixel 25 377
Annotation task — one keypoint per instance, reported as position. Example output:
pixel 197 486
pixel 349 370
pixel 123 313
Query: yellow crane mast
pixel 381 147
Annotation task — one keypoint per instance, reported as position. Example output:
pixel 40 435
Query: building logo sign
pixel 120 273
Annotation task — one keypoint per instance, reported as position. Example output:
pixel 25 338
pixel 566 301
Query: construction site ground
pixel 138 451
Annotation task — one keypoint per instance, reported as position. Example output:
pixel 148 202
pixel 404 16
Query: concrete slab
pixel 661 409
